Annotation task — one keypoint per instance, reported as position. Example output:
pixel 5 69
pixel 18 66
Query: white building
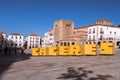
pixel 16 40
pixel 32 41
pixel 103 30
pixel 3 40
pixel 48 39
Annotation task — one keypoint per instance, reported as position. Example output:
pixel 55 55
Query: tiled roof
pixel 74 37
pixel 114 26
pixel 2 32
pixel 33 34
pixel 50 32
pixel 16 34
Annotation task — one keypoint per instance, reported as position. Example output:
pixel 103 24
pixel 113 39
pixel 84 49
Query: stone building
pixel 65 34
pixel 61 30
pixel 79 35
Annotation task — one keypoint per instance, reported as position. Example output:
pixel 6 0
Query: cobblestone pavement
pixel 26 67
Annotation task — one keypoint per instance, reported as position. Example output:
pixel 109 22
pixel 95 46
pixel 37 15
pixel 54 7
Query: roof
pixel 2 32
pixel 114 26
pixel 73 37
pixel 101 22
pixel 17 34
pixel 33 34
pixel 50 32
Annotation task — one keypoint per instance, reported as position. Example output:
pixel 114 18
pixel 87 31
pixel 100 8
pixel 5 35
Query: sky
pixel 38 16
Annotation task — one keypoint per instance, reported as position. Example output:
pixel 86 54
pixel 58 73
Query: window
pixel 15 45
pixel 115 33
pixel 61 43
pixel 73 43
pixel 29 47
pixel 89 31
pixel 89 37
pixel 20 37
pixel 19 44
pixel 57 41
pixel 93 37
pixel 56 25
pixel 11 44
pixel 101 31
pixel 64 43
pixel 68 24
pixel 37 38
pixel 101 36
pixel 110 32
pixel 12 37
pixel 16 37
pixel 93 30
pixel 68 43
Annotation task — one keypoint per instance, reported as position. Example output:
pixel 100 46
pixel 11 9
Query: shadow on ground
pixel 6 61
pixel 82 74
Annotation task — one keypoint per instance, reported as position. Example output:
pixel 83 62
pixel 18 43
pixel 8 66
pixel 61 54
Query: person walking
pixel 6 50
pixel 22 51
pixel 10 50
pixel 15 49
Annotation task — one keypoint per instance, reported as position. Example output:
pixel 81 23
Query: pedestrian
pixel 15 50
pixel 22 51
pixel 10 50
pixel 6 50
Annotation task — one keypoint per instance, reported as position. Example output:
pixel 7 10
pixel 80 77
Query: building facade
pixel 33 41
pixel 48 39
pixel 61 30
pixel 65 34
pixel 16 40
pixel 103 30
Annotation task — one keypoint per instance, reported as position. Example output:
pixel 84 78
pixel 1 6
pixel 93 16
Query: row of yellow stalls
pixel 105 48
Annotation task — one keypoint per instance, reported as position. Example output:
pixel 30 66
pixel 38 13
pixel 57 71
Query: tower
pixel 62 29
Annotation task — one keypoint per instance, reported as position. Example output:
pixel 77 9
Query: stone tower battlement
pixel 62 29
